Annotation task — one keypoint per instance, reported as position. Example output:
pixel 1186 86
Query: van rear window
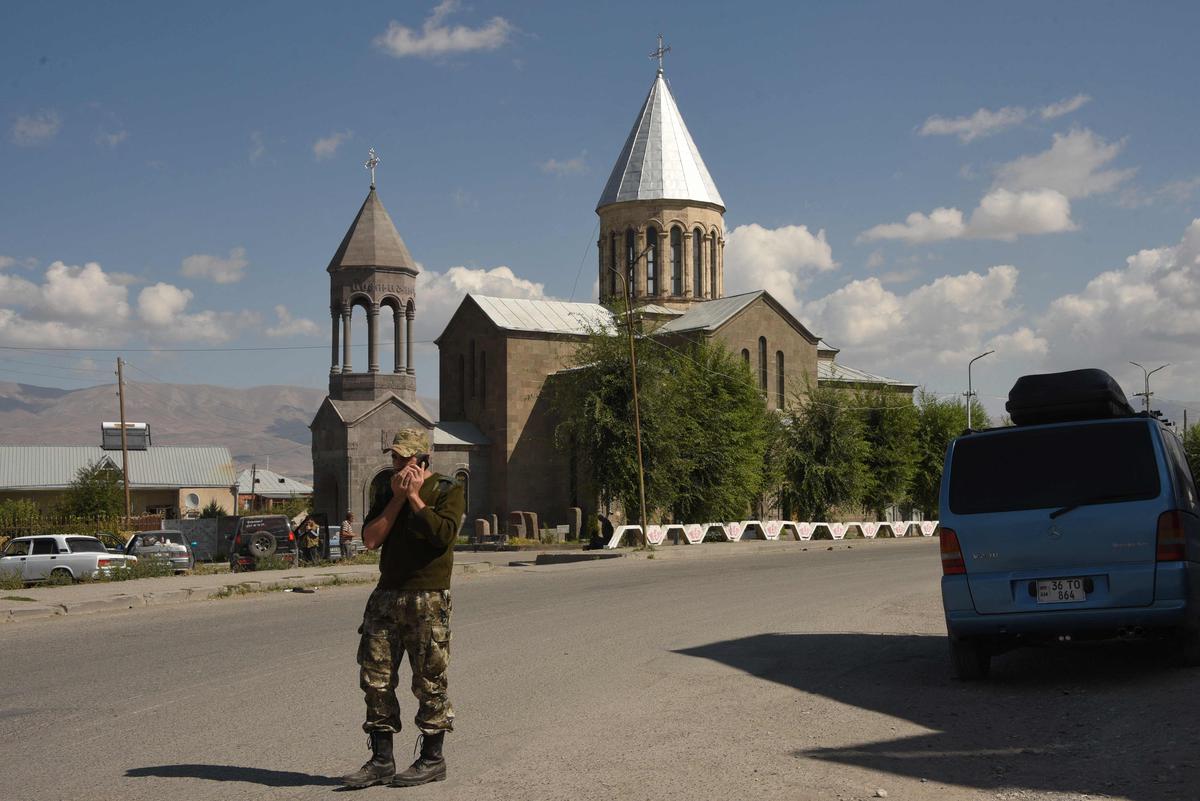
pixel 1052 468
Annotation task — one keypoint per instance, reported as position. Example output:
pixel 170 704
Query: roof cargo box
pixel 1061 397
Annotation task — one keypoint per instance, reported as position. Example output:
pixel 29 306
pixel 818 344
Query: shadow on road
pixel 235 773
pixel 1109 719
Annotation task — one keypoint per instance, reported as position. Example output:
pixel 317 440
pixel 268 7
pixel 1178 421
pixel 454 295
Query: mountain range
pixel 265 425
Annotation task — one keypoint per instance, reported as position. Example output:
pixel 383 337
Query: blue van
pixel 1068 530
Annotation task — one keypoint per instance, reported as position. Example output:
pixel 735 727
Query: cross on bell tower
pixel 660 52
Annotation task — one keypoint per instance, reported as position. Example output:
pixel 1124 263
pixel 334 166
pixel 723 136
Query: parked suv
pixel 258 537
pixel 1080 522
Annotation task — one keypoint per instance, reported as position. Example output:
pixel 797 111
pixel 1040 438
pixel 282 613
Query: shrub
pixel 11 581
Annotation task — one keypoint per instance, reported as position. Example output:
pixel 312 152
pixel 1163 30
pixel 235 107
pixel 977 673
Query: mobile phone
pixel 423 461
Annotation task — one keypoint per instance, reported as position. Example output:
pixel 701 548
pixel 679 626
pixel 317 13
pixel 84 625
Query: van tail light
pixel 1172 542
pixel 952 558
pixel 237 541
pixel 291 536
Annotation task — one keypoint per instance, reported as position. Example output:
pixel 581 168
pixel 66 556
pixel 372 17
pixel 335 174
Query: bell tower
pixel 372 269
pixel 662 223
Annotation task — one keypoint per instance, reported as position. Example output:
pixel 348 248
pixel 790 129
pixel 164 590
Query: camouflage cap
pixel 409 442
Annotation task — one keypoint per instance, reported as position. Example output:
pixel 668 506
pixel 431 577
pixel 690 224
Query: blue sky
pixel 206 158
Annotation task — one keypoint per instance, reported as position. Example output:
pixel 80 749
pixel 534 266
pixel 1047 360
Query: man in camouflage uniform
pixel 415 521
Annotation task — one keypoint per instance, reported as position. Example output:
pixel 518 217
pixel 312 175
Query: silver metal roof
pixel 458 433
pixel 271 484
pixel 55 466
pixel 372 241
pixel 709 315
pixel 544 316
pixel 832 371
pixel 660 160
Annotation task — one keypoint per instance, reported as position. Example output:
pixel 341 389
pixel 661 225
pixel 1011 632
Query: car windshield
pixel 85 545
pixel 1053 468
pixel 151 539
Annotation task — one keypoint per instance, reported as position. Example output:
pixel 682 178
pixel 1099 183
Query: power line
pixel 248 349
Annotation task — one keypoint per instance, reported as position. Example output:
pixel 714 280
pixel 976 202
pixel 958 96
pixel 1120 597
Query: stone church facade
pixel 662 240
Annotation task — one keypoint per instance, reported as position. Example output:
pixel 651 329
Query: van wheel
pixel 1187 648
pixel 972 660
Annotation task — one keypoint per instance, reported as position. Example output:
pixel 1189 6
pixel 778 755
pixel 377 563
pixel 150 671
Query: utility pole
pixel 637 418
pixel 1146 394
pixel 253 486
pixel 970 393
pixel 124 443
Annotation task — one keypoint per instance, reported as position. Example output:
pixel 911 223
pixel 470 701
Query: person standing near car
pixel 415 523
pixel 310 542
pixel 346 536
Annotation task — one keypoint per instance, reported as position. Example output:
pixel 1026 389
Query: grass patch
pixel 204 569
pixel 17 598
pixel 11 581
pixel 363 558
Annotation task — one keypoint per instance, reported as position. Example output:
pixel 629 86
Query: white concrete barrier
pixel 655 534
pixel 869 530
pixel 694 532
pixel 928 527
pixel 619 533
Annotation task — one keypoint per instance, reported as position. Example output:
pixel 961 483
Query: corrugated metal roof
pixel 709 315
pixel 271 484
pixel 55 466
pixel 544 316
pixel 659 159
pixel 832 371
pixel 458 433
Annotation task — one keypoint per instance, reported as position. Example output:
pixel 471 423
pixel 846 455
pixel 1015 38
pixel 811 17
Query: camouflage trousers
pixel 416 623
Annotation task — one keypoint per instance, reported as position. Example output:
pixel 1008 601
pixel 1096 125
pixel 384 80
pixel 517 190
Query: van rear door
pixel 1060 516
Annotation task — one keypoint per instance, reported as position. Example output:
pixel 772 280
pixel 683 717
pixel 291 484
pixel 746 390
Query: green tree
pixel 96 492
pixel 704 426
pixel 939 420
pixel 824 458
pixel 18 512
pixel 889 424
pixel 1191 446
pixel 213 509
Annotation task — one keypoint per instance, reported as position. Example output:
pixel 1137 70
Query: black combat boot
pixel 429 767
pixel 379 768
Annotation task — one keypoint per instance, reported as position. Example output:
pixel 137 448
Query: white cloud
pixel 779 260
pixel 223 271
pixel 571 166
pixel 436 38
pixel 1064 107
pixel 7 261
pixel 36 128
pixel 257 148
pixel 1001 214
pixel 1149 310
pixel 111 139
pixel 921 330
pixel 986 122
pixel 438 294
pixel 327 146
pixel 875 260
pixel 288 326
pixel 162 303
pixel 1073 166
pixel 82 292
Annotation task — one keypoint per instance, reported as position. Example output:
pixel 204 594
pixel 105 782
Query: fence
pixel 738 530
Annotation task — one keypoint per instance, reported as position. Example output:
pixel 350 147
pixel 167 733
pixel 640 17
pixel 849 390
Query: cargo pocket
pixel 437 655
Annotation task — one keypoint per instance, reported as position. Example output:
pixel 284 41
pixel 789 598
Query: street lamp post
pixel 637 418
pixel 970 388
pixel 1147 393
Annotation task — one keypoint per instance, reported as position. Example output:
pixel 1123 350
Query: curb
pixel 125 601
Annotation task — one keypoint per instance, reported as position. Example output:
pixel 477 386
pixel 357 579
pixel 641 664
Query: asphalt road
pixel 793 675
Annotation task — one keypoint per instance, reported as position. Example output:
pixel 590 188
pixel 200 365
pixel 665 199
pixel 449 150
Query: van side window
pixel 1181 475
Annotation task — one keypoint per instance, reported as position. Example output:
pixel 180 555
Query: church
pixel 662 239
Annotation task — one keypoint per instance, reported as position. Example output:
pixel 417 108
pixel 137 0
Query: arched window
pixel 651 261
pixel 676 261
pixel 762 365
pixel 472 376
pixel 630 253
pixel 698 263
pixel 746 357
pixel 779 382
pixel 483 377
pixel 712 266
pixel 462 386
pixel 613 246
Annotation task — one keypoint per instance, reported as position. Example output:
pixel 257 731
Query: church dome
pixel 659 160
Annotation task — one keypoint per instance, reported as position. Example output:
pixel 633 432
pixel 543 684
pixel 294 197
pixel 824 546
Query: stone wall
pixel 761 319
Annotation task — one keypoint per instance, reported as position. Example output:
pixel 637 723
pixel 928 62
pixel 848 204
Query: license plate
pixel 1060 591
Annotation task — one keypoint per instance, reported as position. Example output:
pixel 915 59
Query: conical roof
pixel 372 241
pixel 660 160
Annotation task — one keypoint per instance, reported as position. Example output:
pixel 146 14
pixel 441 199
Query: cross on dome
pixel 660 52
pixel 371 163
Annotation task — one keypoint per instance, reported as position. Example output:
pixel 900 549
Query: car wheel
pixel 233 566
pixel 972 660
pixel 62 574
pixel 262 545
